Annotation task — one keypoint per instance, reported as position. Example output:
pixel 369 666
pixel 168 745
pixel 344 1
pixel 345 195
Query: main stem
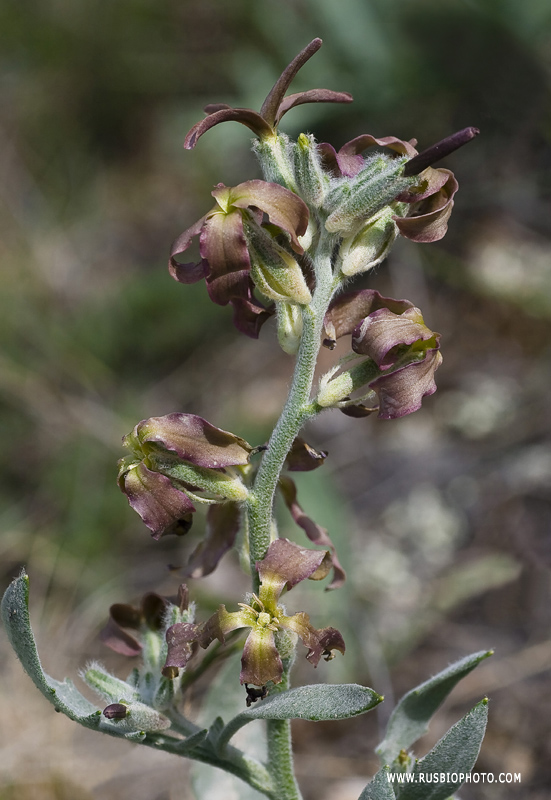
pixel 296 411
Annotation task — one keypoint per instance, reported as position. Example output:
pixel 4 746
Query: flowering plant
pixel 287 246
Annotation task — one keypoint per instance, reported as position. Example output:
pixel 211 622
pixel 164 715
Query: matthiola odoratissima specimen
pixel 285 245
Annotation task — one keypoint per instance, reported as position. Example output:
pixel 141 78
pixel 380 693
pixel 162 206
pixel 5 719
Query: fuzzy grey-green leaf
pixel 454 755
pixel 409 720
pixel 379 787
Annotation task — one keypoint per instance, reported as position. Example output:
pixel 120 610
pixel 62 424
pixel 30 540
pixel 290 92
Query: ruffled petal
pixel 187 273
pixel 285 564
pixel 313 531
pixel 302 457
pixel 223 622
pixel 249 315
pixel 401 391
pixel 180 639
pixel 429 222
pixel 194 439
pixel 223 245
pixel 278 91
pixel 349 309
pixel 119 640
pixel 223 522
pixel 162 507
pixel 382 333
pixel 319 642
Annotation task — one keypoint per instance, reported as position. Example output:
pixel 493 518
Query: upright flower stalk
pixel 284 246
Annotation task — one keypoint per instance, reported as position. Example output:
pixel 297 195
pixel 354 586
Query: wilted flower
pixel 285 565
pixel 174 457
pixel 230 233
pixel 265 123
pixel 403 355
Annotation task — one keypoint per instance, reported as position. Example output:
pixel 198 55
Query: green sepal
pixel 409 720
pixel 228 486
pixel 455 753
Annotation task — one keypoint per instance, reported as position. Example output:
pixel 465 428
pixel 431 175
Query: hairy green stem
pixel 280 751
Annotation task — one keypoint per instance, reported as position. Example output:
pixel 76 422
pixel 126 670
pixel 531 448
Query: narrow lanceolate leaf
pixel 316 703
pixel 62 695
pixel 450 760
pixel 379 788
pixel 410 719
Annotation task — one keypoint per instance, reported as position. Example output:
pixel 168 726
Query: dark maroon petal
pixel 210 108
pixel 223 522
pixel 118 640
pixel 271 104
pixel 223 622
pixel 249 316
pixel 349 309
pixel 153 610
pixel 440 150
pixel 260 662
pixel 245 116
pixel 303 458
pixel 361 143
pixel 286 564
pixel 180 638
pixel 230 286
pixel 430 220
pixel 163 508
pixel 126 616
pixel 284 208
pixel 313 531
pixel 194 439
pixel 223 244
pixel 401 392
pixel 311 96
pixel 187 273
pixel 382 331
pixel 349 166
pixel 329 639
pixel 358 410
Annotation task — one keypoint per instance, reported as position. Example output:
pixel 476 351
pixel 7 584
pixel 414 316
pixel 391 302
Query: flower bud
pixel 370 246
pixel 289 327
pixel 312 181
pixel 375 187
pixel 274 270
pixel 334 390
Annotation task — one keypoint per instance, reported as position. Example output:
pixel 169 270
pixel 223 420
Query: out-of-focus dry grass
pixel 442 519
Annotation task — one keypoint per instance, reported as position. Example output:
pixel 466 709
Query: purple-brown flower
pixel 173 458
pixel 403 355
pixel 264 124
pixel 285 565
pixel 228 234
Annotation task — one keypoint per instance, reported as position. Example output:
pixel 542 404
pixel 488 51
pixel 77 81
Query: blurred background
pixel 442 519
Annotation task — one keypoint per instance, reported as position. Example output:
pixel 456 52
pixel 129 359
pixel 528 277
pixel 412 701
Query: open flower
pixel 285 565
pixel 264 124
pixel 403 355
pixel 173 458
pixel 228 232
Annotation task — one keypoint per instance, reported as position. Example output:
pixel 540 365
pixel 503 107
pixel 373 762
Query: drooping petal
pixel 382 331
pixel 187 273
pixel 401 391
pixel 302 457
pixel 430 181
pixel 229 286
pixel 285 564
pixel 119 640
pixel 348 161
pixel 194 439
pixel 319 642
pixel 153 610
pixel 223 245
pixel 180 638
pixel 260 661
pixel 162 507
pixel 313 531
pixel 350 308
pixel 249 315
pixel 311 96
pixel 246 116
pixel 284 208
pixel 429 222
pixel 223 522
pixel 275 96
